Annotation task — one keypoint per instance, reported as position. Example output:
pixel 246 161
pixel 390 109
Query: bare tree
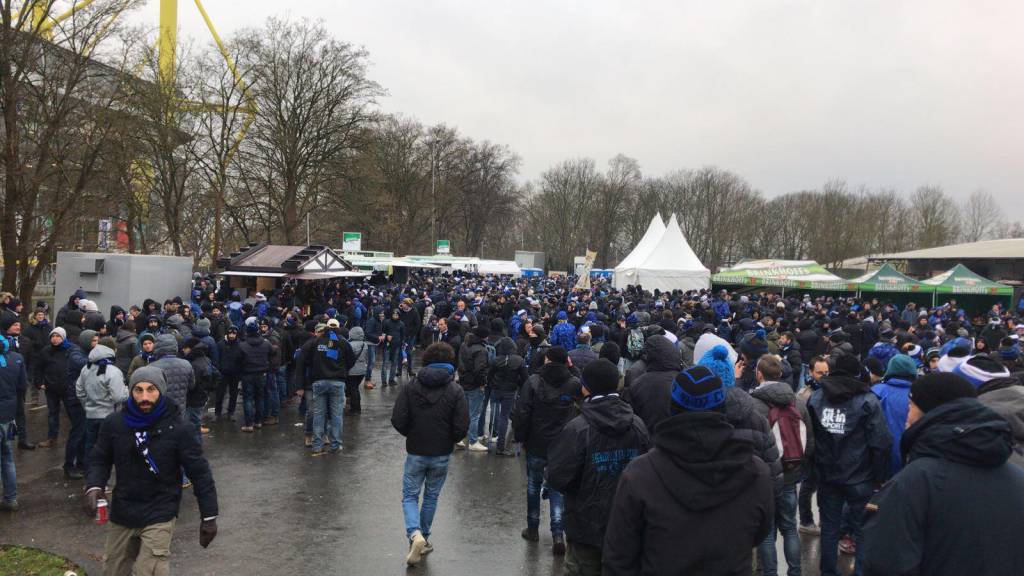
pixel 314 98
pixel 980 217
pixel 936 219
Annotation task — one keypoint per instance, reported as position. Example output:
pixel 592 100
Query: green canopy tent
pixel 797 274
pixel 960 280
pixel 896 286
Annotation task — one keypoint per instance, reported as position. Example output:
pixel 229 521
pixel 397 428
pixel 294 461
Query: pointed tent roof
pixel 654 232
pixel 673 252
pixel 961 280
pixel 887 279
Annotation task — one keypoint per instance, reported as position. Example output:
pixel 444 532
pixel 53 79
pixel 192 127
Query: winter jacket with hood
pixel 206 375
pixel 508 373
pixel 956 506
pixel 651 393
pixel 545 405
pixel 101 386
pixel 127 348
pixel 431 412
pixel 894 396
pixel 360 352
pixel 473 364
pixel 230 357
pixel 769 395
pixel 586 460
pixel 697 503
pixel 256 352
pixel 1005 396
pixel 142 498
pixel 13 378
pixel 747 423
pixel 203 333
pixel 852 442
pixel 178 371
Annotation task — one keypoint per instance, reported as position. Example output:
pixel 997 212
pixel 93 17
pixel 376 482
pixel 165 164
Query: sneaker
pixel 48 443
pixel 477 447
pixel 186 484
pixel 810 529
pixel 316 453
pixel 308 441
pixel 416 547
pixel 847 546
pixel 247 428
pixel 335 450
pixel 558 545
pixel 461 444
pixel 531 534
pixel 258 426
pixel 26 446
pixel 73 474
pixel 11 506
pixel 428 548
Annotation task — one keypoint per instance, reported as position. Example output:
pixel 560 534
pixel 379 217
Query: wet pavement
pixel 283 512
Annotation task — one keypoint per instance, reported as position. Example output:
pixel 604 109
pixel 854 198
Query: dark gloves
pixel 90 501
pixel 207 532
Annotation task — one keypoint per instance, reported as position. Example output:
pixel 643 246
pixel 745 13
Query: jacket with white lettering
pixel 851 437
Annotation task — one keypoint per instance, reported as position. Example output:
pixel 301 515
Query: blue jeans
pixel 272 398
pixel 475 399
pixel 408 347
pixel 371 359
pixel 831 499
pixel 7 473
pixel 281 378
pixel 501 408
pixel 92 432
pixel 784 522
pixel 74 452
pixel 426 474
pixel 535 490
pixel 392 357
pixel 253 389
pixel 327 394
pixel 194 415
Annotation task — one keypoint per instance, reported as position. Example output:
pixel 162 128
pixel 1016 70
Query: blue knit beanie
pixel 717 361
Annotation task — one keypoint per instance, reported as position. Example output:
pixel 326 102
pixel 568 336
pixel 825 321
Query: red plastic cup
pixel 101 511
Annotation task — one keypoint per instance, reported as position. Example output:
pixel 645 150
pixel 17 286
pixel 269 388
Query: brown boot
pixel 369 385
pixel 48 443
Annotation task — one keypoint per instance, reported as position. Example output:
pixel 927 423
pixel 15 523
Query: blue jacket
pixel 884 351
pixel 564 335
pixel 894 395
pixel 13 377
pixel 721 308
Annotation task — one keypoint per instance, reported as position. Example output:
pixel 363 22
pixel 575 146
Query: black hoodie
pixel 545 405
pixel 651 393
pixel 956 507
pixel 586 460
pixel 431 412
pixel 852 441
pixel 698 503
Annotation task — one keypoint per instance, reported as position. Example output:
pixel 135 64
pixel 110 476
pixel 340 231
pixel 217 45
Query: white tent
pixel 625 272
pixel 672 264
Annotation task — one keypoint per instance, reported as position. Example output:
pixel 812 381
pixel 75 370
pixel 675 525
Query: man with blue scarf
pixel 432 413
pixel 324 365
pixel 149 444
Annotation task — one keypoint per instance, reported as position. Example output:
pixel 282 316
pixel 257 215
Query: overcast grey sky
pixel 785 93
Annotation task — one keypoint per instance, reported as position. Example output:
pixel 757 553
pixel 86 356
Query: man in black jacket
pixel 651 393
pixel 432 414
pixel 323 364
pixel 505 377
pixel 473 366
pixel 230 371
pixel 955 508
pixel 700 481
pixel 255 364
pixel 149 444
pixel 586 459
pixel 13 378
pixel 546 405
pixel 413 324
pixel 851 455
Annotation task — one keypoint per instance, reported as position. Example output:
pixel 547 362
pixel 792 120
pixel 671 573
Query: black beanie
pixel 482 332
pixel 937 388
pixel 875 366
pixel 849 365
pixel 601 377
pixel 611 351
pixel 557 354
pixel 698 389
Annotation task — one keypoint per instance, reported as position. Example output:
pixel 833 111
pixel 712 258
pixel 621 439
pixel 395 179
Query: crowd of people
pixel 669 432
